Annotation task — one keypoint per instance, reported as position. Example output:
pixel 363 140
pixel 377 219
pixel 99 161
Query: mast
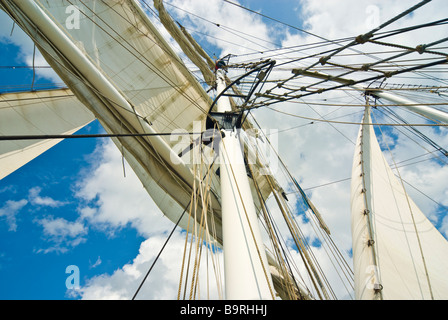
pixel 247 276
pixel 426 111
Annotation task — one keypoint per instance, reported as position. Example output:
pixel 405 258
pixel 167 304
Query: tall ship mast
pixel 187 124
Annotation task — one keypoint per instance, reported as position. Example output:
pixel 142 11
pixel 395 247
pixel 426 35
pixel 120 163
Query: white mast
pixel 426 111
pixel 247 276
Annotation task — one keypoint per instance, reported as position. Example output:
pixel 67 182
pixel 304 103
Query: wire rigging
pixel 294 88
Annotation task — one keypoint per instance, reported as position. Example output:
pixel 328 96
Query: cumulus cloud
pixel 230 29
pixel 162 282
pixel 37 200
pixel 96 263
pixel 63 234
pixel 61 228
pixel 10 210
pixel 123 283
pixel 109 200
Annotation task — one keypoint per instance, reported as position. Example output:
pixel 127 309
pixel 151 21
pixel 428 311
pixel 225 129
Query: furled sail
pixel 189 46
pixel 397 252
pixel 36 113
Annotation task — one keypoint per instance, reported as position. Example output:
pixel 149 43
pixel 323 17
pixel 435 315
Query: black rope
pixel 160 252
pixel 78 136
pixel 169 237
pixel 419 134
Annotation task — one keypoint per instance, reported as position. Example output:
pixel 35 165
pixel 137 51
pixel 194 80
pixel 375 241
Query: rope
pixel 34 69
pixel 100 135
pixel 275 243
pixel 327 236
pixel 158 255
pixel 360 123
pixel 206 202
pixel 193 193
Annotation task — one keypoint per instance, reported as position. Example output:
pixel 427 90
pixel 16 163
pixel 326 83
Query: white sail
pixel 49 112
pixel 397 252
pixel 119 66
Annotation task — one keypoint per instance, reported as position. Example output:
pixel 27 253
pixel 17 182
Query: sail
pixel 47 112
pixel 119 66
pixel 397 252
pixel 189 46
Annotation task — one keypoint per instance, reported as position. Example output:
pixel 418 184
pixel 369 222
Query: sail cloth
pixel 56 112
pixel 397 252
pixel 189 46
pixel 119 66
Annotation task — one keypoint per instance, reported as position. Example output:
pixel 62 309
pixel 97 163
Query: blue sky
pixel 33 262
pixel 74 206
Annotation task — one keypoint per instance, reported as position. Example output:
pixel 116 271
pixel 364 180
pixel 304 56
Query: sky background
pixel 76 205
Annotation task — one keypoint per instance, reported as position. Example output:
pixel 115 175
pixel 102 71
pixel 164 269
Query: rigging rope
pixel 360 123
pixel 158 255
pixel 171 233
pixel 420 134
pixel 100 135
pixel 294 228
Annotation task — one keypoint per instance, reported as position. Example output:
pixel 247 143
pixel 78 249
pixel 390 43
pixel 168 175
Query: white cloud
pixel 61 228
pixel 10 210
pixel 162 282
pixel 36 200
pixel 123 283
pixel 63 234
pixel 223 23
pixel 96 263
pixel 110 201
